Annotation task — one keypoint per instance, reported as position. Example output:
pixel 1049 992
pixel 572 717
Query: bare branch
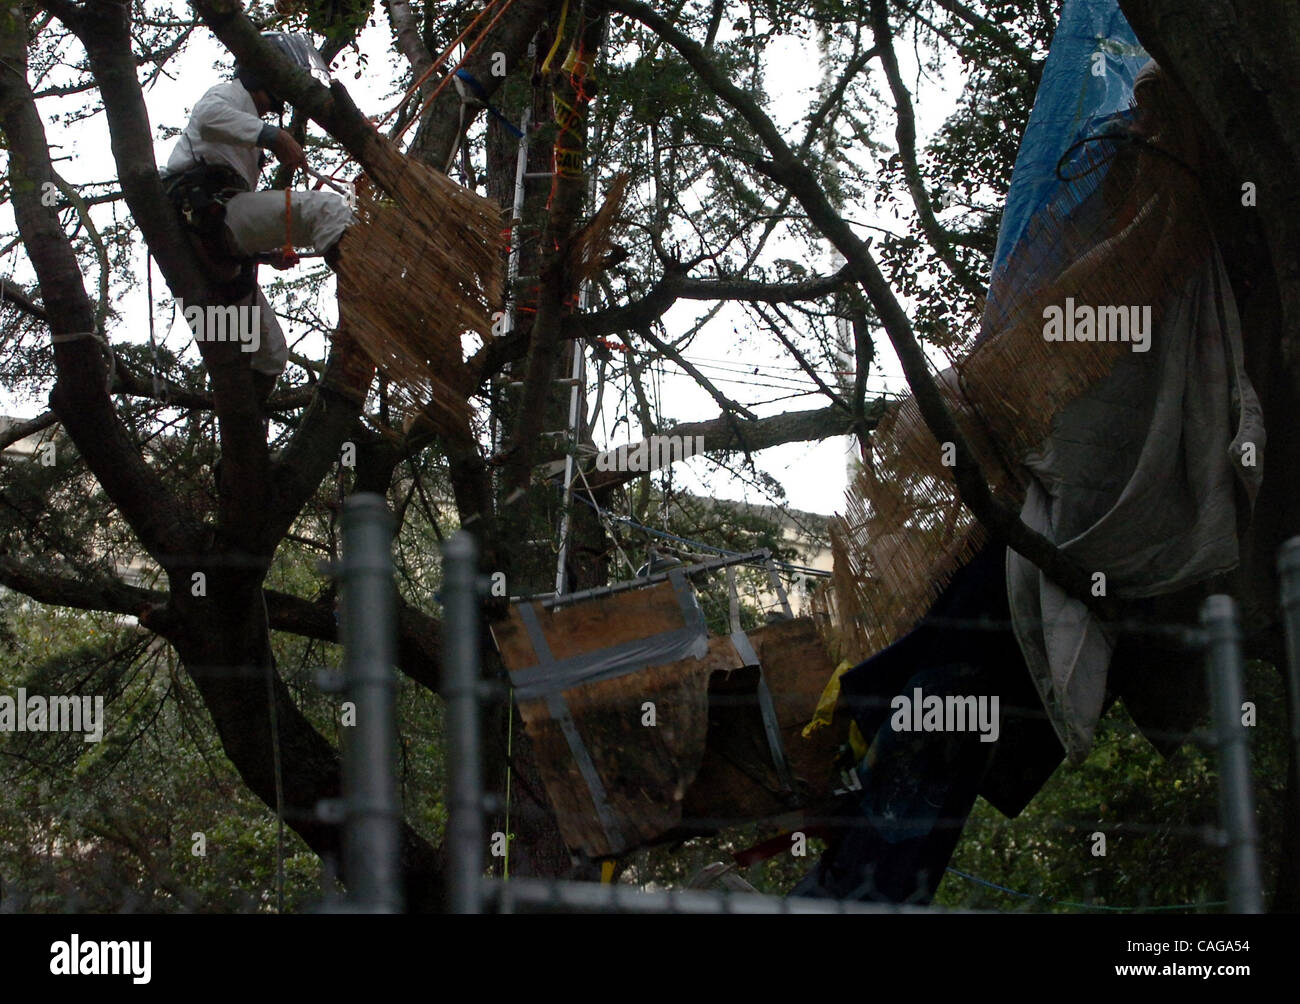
pixel 21 430
pixel 80 396
pixel 727 434
pixel 788 170
pixel 905 133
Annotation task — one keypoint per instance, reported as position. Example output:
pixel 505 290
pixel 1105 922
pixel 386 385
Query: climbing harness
pixel 200 194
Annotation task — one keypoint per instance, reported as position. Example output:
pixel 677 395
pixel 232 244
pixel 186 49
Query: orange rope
pixel 469 50
pixel 287 252
pixel 441 84
pixel 576 66
pixel 438 62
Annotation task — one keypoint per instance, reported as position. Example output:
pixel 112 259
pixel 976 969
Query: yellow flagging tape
pixel 559 34
pixel 825 711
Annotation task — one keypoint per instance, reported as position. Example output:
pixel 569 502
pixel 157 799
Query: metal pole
pixel 516 222
pixel 512 261
pixel 372 814
pixel 1288 565
pixel 465 784
pixel 543 896
pixel 1236 790
pixel 579 371
pixel 579 368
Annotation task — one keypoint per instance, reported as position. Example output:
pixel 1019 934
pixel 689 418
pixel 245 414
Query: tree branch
pixel 787 170
pixel 21 430
pixel 905 134
pixel 80 396
pixel 640 314
pixel 993 32
pixel 76 588
pixel 409 42
pixel 15 295
pixel 727 434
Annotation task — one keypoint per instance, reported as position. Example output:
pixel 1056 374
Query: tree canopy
pixel 785 205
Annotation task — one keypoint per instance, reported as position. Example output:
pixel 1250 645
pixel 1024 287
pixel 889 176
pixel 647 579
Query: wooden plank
pixel 796 666
pixel 646 770
pixel 705 763
pixel 590 625
pixel 737 782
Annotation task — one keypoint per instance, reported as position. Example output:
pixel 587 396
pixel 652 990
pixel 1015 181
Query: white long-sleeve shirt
pixel 224 128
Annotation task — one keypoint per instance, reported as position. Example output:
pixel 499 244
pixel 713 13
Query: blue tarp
pixel 917 790
pixel 1072 102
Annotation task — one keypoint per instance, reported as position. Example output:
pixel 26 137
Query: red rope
pixel 438 62
pixel 287 252
pixel 426 74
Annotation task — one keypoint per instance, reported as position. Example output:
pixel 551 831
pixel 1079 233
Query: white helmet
pixel 296 47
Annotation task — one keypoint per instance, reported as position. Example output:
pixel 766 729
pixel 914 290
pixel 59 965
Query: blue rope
pixel 1081 906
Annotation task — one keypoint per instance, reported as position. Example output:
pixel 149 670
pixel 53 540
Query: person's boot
pixel 263 385
pixel 331 255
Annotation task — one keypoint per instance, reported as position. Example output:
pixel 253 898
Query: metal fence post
pixel 1236 789
pixel 1288 566
pixel 371 834
pixel 460 638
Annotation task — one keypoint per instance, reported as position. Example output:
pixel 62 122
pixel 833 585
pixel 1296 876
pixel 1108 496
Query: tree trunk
pixel 1240 63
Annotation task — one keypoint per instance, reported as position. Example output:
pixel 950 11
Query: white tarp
pixel 1138 480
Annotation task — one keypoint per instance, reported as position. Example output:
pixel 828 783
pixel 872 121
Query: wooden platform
pixel 705 762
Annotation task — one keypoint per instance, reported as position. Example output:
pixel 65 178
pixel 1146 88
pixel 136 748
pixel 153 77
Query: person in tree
pixel 211 177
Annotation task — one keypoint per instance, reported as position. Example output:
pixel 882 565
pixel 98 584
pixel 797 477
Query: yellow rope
pixel 559 34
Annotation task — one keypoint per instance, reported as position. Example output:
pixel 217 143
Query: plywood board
pixel 705 763
pixel 594 624
pixel 737 782
pixel 646 770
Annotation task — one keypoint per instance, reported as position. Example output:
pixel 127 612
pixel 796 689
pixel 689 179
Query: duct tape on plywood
pixel 420 269
pixel 615 782
pixel 737 781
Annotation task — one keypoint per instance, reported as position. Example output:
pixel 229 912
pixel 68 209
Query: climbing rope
pixel 96 336
pixel 287 253
pixel 276 767
pixel 559 34
pixel 159 388
pixel 442 84
pixel 1082 906
pixel 568 160
pixel 510 747
pixel 438 62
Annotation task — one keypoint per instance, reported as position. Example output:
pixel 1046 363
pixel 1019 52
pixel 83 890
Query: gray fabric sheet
pixel 1136 480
